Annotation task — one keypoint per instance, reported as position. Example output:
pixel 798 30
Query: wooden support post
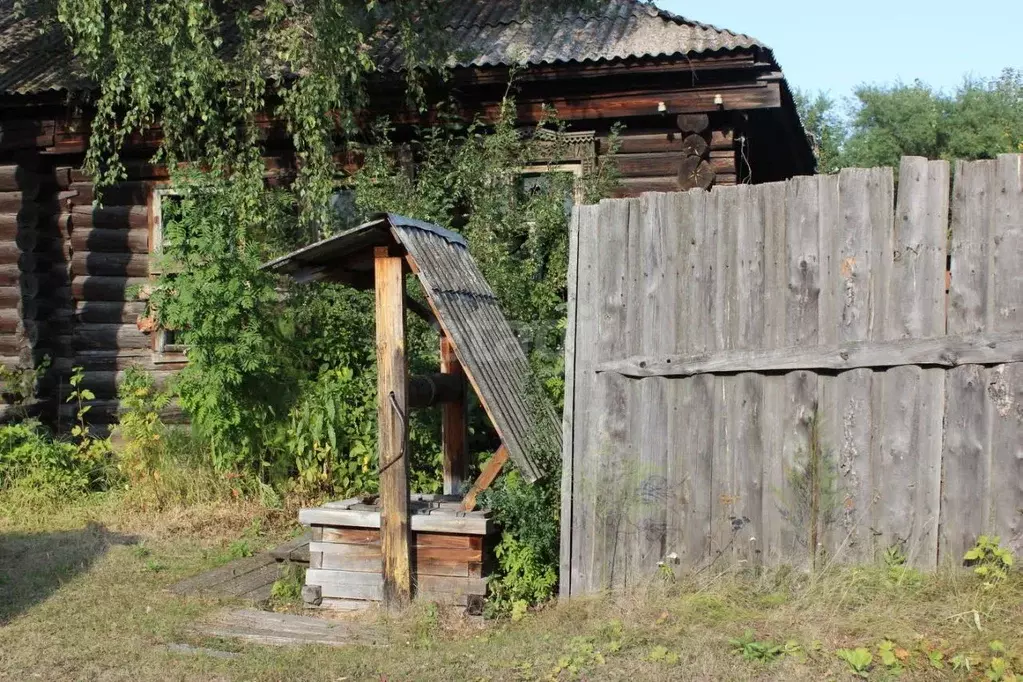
pixel 454 425
pixel 392 420
pixel 490 471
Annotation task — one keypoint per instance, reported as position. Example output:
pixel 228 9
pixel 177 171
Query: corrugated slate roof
pixel 500 33
pixel 468 311
pixel 480 33
pixel 33 57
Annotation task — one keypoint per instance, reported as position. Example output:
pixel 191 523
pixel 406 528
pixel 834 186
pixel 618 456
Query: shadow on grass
pixel 35 565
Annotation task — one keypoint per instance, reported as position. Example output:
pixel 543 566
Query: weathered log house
pixel 701 106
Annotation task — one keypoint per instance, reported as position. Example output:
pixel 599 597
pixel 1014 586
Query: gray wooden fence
pixel 758 369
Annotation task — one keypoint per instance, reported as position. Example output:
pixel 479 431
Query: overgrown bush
pixel 32 460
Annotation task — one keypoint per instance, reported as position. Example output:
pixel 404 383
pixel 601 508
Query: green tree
pixel 825 126
pixel 882 123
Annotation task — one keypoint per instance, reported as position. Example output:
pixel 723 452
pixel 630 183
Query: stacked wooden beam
pixel 673 159
pixel 346 559
pixel 34 254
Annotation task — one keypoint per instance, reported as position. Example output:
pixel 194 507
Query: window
pixel 166 346
pixel 537 178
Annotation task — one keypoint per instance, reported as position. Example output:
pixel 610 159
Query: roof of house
pixel 468 312
pixel 35 57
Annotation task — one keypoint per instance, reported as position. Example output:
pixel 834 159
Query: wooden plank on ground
pixel 209 580
pixel 280 629
pixel 912 398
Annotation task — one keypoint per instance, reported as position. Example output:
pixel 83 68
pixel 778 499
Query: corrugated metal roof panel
pixel 469 312
pixel 479 33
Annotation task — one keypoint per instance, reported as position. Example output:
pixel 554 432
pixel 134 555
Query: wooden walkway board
pixel 250 578
pixel 284 629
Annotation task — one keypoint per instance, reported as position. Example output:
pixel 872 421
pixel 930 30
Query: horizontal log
pixel 134 193
pixel 666 141
pixel 97 336
pixel 109 312
pixel 633 187
pixel 104 240
pixel 12 202
pixel 692 123
pixel 944 351
pixel 26 134
pixel 10 320
pixel 25 218
pixel 10 296
pixel 105 383
pixel 19 179
pixel 435 389
pixel 108 412
pixel 665 164
pixel 88 263
pixel 110 217
pixel 100 288
pixel 470 524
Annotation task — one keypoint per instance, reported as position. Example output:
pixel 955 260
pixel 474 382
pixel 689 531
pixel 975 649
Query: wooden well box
pixel 447 548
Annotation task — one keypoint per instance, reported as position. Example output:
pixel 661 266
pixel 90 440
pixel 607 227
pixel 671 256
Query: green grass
pixel 81 600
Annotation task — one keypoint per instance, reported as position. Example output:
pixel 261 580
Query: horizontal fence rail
pixel 795 373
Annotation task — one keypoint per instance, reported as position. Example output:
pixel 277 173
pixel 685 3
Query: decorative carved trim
pixel 575 147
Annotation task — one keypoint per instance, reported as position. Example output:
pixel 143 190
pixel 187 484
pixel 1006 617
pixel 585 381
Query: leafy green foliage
pixel 991 562
pixel 981 119
pixel 750 649
pixel 898 570
pixel 18 385
pixel 32 459
pixel 859 660
pixel 140 427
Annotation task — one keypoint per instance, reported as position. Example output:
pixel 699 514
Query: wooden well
pixel 399 545
pixel 447 553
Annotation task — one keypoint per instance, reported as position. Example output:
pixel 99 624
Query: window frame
pixel 163 350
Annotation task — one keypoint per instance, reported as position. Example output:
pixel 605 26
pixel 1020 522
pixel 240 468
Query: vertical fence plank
pixel 1006 381
pixel 966 454
pixel 584 412
pixel 568 411
pixel 864 208
pixel 689 463
pixel 801 328
pixel 912 398
pixel 696 443
pixel 658 250
pixel 616 451
pixel 777 531
pixel 746 409
pixel 724 336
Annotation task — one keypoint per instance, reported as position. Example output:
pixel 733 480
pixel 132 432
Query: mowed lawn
pixel 82 596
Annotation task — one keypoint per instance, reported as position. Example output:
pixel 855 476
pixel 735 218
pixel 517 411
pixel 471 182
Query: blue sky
pixel 836 45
